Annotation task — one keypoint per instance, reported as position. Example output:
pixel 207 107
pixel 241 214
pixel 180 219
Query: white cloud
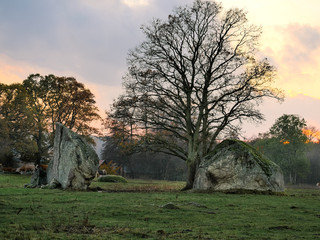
pixel 136 3
pixel 275 12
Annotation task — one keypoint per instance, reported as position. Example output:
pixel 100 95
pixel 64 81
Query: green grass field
pixel 135 210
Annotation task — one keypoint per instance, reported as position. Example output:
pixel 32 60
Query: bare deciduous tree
pixel 196 77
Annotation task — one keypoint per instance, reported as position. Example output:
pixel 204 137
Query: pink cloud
pixel 295 51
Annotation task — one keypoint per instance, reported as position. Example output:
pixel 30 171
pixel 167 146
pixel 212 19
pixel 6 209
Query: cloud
pixel 65 38
pixel 136 3
pixel 295 50
pixel 275 12
pixel 91 38
pixel 90 41
pixel 10 73
pixel 301 43
pixel 13 71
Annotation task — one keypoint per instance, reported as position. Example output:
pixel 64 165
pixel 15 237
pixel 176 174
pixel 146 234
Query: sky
pixel 90 40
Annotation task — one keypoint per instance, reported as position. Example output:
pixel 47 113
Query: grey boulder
pixel 74 163
pixel 235 165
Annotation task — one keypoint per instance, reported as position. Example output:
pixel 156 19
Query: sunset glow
pixel 312 135
pixel 91 40
pixel 296 54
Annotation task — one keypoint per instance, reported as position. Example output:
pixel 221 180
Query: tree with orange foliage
pixel 110 168
pixel 312 133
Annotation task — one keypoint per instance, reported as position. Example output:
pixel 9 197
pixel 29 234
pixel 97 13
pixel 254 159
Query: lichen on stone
pixel 239 147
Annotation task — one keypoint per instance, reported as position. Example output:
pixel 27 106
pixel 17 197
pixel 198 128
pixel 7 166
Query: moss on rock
pixel 241 149
pixel 236 165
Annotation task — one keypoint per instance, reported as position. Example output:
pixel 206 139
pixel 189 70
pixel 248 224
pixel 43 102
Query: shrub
pixel 112 178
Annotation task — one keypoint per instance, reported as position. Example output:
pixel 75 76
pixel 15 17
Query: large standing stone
pixel 235 165
pixel 74 163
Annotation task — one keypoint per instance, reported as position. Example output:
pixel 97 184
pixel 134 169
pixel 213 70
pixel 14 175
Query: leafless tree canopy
pixel 196 77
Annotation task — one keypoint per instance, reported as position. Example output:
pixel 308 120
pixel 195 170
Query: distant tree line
pixel 294 147
pixel 134 155
pixel 290 143
pixel 144 164
pixel 29 110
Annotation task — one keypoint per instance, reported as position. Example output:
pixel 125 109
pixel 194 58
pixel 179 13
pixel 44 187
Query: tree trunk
pixel 39 153
pixel 192 169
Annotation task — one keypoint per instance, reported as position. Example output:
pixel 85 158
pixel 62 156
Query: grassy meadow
pixel 153 210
